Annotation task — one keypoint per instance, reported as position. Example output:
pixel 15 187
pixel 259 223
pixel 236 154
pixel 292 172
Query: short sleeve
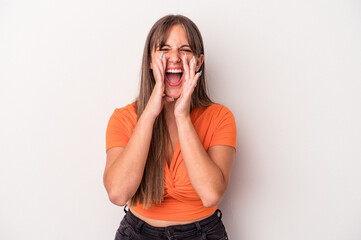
pixel 225 132
pixel 120 128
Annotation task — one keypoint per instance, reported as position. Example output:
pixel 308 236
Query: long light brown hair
pixel 151 188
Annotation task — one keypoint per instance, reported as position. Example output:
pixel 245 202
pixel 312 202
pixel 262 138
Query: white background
pixel 290 71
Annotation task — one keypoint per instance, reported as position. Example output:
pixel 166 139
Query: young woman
pixel 170 153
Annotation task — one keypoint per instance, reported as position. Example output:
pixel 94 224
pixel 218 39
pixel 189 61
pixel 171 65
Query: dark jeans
pixel 211 228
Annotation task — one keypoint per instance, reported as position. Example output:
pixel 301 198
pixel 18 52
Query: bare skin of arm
pixel 208 171
pixel 125 166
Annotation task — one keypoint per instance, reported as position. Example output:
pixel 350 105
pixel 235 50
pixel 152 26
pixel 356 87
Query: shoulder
pixel 218 108
pixel 120 126
pixel 218 125
pixel 129 111
pixel 124 116
pixel 215 111
pixel 213 116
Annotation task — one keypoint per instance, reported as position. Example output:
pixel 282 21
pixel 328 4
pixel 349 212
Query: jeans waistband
pixel 190 229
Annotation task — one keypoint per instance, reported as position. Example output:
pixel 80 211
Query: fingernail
pixel 161 56
pixel 200 73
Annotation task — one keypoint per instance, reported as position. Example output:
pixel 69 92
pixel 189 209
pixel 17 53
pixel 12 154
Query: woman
pixel 169 154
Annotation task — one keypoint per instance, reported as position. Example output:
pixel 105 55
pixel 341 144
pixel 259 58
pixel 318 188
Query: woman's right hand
pixel 156 101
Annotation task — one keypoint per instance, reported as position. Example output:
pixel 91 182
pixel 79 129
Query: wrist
pixel 148 115
pixel 183 119
pixel 158 89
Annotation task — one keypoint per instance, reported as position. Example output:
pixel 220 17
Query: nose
pixel 173 57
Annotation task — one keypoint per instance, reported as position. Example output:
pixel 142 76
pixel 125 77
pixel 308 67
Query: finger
pixel 192 65
pixel 196 78
pixel 188 88
pixel 159 70
pixel 185 67
pixel 157 73
pixel 159 82
pixel 164 59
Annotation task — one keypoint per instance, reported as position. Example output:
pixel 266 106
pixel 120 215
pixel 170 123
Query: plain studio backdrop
pixel 290 71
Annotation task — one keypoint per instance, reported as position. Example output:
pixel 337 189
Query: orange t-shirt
pixel 215 125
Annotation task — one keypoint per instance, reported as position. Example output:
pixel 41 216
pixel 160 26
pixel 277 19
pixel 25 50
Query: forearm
pixel 123 177
pixel 206 177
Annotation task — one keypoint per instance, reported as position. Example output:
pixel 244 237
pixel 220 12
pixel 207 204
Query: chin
pixel 174 93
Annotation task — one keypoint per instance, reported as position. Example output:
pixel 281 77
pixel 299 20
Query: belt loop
pixel 126 205
pixel 139 226
pixel 199 229
pixel 170 233
pixel 219 213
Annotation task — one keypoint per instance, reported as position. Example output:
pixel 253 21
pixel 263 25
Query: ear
pixel 200 60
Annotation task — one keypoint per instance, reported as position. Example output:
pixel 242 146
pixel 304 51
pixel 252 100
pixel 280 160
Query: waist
pixel 190 229
pixel 173 210
pixel 165 223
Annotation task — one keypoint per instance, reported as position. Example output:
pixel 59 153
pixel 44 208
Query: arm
pixel 125 165
pixel 208 172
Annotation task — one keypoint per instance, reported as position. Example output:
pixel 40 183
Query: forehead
pixel 176 36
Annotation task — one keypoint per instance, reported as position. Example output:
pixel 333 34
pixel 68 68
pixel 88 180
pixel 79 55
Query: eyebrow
pixel 183 46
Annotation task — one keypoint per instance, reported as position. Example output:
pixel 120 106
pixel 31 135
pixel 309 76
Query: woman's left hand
pixel 182 106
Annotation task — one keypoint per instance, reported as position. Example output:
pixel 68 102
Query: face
pixel 176 45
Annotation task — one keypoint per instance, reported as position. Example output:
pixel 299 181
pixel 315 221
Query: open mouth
pixel 174 77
